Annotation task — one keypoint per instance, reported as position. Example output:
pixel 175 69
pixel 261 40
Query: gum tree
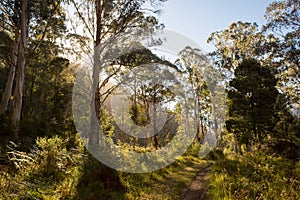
pixel 102 21
pixel 25 21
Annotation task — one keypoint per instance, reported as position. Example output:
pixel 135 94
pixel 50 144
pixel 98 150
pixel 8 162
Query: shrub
pixel 49 170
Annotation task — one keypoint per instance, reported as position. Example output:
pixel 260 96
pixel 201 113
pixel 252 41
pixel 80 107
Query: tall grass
pixel 255 175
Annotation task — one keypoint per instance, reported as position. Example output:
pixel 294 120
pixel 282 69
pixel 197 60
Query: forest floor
pixel 197 189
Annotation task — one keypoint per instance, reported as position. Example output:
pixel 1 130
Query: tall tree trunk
pixel 196 121
pixel 19 87
pixel 154 122
pixel 95 104
pixel 12 68
pixel 10 80
pixel 202 135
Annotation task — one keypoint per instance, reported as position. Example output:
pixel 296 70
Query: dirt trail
pixel 197 190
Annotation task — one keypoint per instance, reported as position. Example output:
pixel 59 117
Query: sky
pixel 196 19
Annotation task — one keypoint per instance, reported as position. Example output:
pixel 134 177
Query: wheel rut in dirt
pixel 197 190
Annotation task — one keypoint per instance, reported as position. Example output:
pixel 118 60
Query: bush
pixel 49 170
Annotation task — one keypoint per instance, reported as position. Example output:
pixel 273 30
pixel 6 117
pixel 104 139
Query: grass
pixel 52 172
pixel 255 175
pixel 167 183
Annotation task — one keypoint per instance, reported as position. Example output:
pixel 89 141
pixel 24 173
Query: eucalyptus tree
pixel 19 27
pixel 104 21
pixel 26 22
pixel 195 62
pixel 241 40
pixel 283 18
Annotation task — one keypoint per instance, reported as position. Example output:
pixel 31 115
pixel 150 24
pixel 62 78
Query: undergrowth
pixel 53 171
pixel 255 175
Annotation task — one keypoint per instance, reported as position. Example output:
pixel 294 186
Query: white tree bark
pixel 19 87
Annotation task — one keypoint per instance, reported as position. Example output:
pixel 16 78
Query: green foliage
pixel 51 157
pixel 98 181
pixel 194 62
pixel 58 168
pixel 49 171
pixel 106 123
pixel 26 28
pixel 5 49
pixel 139 115
pixel 255 176
pixel 240 41
pixel 215 154
pixel 48 93
pixel 166 183
pixel 47 17
pixel 286 136
pixel 283 19
pixel 252 99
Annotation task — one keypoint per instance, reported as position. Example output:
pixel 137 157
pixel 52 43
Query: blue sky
pixel 196 19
